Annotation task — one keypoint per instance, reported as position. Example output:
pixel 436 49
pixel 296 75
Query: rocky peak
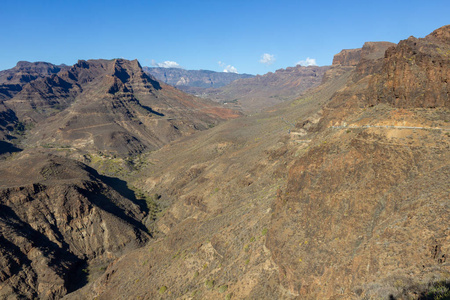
pixel 370 50
pixel 442 34
pixel 12 80
pixel 375 50
pixel 370 62
pixel 347 57
pixel 42 68
pixel 415 73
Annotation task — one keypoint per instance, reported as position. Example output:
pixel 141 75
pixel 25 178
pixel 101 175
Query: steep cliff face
pixel 25 72
pixel 347 57
pixel 12 80
pixel 415 73
pixel 57 216
pixel 372 53
pixel 364 211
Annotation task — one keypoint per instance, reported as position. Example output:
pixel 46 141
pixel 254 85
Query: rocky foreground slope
pixel 58 217
pixel 331 196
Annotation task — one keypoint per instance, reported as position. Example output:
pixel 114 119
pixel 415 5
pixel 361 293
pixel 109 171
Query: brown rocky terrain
pixel 326 197
pixel 347 57
pixel 57 216
pixel 415 73
pixel 260 92
pixel 12 80
pixel 109 105
pixel 341 193
pixel 11 83
pixel 364 210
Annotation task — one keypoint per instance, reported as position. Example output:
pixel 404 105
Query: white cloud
pixel 307 62
pixel 230 69
pixel 166 64
pixel 227 69
pixel 267 59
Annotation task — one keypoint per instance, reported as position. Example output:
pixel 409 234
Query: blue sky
pixel 207 34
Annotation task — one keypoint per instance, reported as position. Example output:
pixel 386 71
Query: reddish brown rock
pixel 347 57
pixel 415 73
pixel 111 106
pixel 56 217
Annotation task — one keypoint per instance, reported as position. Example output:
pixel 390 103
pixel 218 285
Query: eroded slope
pixel 57 216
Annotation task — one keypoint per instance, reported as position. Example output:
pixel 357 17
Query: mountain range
pixel 191 80
pixel 102 105
pixel 257 93
pixel 115 185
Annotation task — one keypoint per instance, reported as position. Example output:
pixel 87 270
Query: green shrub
pixel 209 284
pixel 162 289
pixel 223 288
pixel 438 292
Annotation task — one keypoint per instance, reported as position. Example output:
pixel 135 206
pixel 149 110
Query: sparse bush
pixel 264 232
pixel 439 291
pixel 162 289
pixel 209 284
pixel 223 288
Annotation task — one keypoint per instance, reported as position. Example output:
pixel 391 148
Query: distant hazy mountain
pixel 187 79
pixel 262 91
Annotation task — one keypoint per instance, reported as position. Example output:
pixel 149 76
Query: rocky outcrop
pixel 12 80
pixel 57 217
pixel 415 73
pixel 347 57
pixel 25 72
pixel 372 53
pixel 363 210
